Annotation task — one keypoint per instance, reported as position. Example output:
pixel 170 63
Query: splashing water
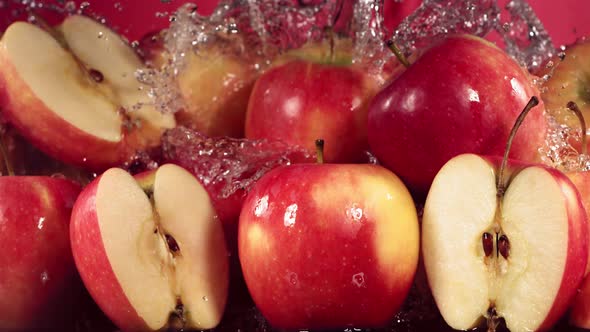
pixel 438 18
pixel 525 38
pixel 524 35
pixel 235 164
pixel 560 148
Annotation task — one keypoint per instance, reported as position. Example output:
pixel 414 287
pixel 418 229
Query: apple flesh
pixel 328 246
pixel 460 96
pixel 82 90
pixel 39 284
pixel 520 256
pixel 150 250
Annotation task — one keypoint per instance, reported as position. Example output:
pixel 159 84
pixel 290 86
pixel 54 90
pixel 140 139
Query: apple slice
pixel 80 101
pixel 151 250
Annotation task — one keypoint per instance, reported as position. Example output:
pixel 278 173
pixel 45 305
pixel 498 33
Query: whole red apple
pixel 38 279
pixel 328 246
pixel 461 96
pixel 317 94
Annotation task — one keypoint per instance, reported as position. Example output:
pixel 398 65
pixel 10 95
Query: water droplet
pixel 292 278
pixel 261 206
pixel 290 215
pixel 40 222
pixel 100 34
pixel 358 279
pixel 205 299
pixel 44 277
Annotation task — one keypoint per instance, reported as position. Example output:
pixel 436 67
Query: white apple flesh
pixel 72 92
pixel 151 250
pixel 520 256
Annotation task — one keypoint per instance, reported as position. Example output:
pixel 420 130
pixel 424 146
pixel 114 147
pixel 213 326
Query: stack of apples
pixel 329 242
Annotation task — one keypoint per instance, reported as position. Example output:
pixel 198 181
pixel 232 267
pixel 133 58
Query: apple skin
pixel 346 255
pixel 94 266
pixel 34 224
pixel 462 95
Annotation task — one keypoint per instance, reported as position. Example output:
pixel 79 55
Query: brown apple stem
pixel 492 319
pixel 330 33
pixel 398 53
pixel 574 108
pixel 7 163
pixel 319 150
pixel 500 185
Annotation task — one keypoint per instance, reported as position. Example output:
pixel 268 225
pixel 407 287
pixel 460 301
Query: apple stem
pixel 398 53
pixel 4 152
pixel 500 186
pixel 492 319
pixel 330 34
pixel 319 150
pixel 574 108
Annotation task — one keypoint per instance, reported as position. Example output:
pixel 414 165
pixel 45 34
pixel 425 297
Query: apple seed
pixel 488 244
pixel 96 75
pixel 504 246
pixel 172 244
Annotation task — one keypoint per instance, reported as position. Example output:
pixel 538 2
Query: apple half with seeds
pixel 72 92
pixel 151 250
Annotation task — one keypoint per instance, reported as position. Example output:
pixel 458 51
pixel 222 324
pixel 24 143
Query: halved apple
pixel 72 92
pixel 518 254
pixel 151 250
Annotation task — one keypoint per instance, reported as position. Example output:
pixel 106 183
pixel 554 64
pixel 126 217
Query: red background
pixel 565 21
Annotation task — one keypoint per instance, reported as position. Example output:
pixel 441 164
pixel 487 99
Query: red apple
pixel 151 250
pixel 328 246
pixel 83 90
pixel 315 93
pixel 461 96
pixel 38 279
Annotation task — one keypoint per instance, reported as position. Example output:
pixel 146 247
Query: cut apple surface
pixel 151 250
pixel 72 91
pixel 518 256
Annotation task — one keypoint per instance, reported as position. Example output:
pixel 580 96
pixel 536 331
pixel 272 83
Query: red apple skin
pixel 94 266
pixel 463 95
pixel 300 101
pixel 34 232
pixel 328 269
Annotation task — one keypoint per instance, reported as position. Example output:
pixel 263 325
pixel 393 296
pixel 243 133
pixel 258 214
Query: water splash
pixel 560 150
pixel 524 36
pixel 368 32
pixel 438 18
pixel 234 164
